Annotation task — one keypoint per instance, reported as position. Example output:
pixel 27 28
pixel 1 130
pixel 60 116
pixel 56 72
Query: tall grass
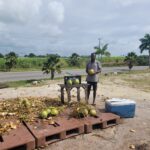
pixel 36 63
pixel 113 61
pixel 2 64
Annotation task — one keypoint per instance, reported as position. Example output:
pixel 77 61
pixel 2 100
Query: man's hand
pixel 97 72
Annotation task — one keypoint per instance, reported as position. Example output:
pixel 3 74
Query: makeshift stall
pixel 68 86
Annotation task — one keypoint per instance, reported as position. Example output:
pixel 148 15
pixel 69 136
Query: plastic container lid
pixel 118 101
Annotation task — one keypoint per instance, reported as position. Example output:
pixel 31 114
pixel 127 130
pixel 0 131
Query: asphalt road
pixel 16 76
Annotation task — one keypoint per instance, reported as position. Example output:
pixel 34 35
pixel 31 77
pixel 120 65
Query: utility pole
pixel 99 42
pixel 99 39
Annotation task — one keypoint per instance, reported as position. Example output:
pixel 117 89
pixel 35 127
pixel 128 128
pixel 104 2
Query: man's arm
pixel 98 68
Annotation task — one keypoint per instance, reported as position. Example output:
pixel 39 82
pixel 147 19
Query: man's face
pixel 93 57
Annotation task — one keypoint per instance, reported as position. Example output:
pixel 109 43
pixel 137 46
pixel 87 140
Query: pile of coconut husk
pixel 81 110
pixel 27 109
pixel 32 109
pixel 7 126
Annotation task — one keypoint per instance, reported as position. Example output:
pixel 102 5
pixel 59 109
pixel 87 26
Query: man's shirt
pixel 96 66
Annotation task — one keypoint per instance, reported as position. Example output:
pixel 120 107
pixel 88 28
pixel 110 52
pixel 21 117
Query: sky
pixel 67 26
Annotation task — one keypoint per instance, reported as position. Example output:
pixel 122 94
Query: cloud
pixel 56 10
pixel 26 22
pixel 127 3
pixel 67 26
pixel 14 11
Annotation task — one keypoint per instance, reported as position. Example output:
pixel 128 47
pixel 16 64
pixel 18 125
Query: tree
pixel 52 65
pixel 74 60
pixel 10 60
pixel 142 60
pixel 1 55
pixel 102 50
pixel 130 59
pixel 145 45
pixel 31 55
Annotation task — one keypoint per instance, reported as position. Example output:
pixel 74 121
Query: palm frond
pixel 105 47
pixel 145 43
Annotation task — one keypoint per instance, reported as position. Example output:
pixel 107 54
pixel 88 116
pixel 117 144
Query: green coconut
pixel 82 112
pixel 44 114
pixel 93 112
pixel 69 82
pixel 76 81
pixel 54 112
pixel 91 71
pixel 48 111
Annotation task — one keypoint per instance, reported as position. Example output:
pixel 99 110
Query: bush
pixel 1 55
pixel 74 60
pixel 142 60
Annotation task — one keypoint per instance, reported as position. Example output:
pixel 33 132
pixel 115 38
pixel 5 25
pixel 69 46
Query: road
pixel 16 76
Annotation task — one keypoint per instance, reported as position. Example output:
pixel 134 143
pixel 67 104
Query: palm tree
pixel 145 45
pixel 107 54
pixel 130 59
pixel 100 51
pixel 52 65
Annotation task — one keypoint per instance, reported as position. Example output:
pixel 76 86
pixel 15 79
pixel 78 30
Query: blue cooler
pixel 123 107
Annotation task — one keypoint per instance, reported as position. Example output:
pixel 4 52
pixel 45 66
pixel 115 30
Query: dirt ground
pixel 134 131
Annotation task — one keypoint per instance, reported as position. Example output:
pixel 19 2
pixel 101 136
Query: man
pixel 93 68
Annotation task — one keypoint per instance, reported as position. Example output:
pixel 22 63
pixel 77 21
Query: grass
pixel 15 84
pixel 21 83
pixel 36 63
pixel 135 79
pixel 138 79
pixel 143 84
pixel 29 83
pixel 132 78
pixel 26 83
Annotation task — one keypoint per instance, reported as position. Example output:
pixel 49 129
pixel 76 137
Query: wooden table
pixel 68 89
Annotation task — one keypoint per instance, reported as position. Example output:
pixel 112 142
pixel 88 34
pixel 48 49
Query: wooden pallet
pixel 17 139
pixel 63 128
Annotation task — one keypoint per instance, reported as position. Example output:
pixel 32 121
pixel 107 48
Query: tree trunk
pixel 149 59
pixel 52 74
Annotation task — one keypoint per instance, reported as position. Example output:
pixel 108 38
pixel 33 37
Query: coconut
pixel 93 112
pixel 82 112
pixel 69 82
pixel 85 111
pixel 91 71
pixel 54 112
pixel 44 114
pixel 76 81
pixel 48 111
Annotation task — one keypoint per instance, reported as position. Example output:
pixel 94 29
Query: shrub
pixel 142 60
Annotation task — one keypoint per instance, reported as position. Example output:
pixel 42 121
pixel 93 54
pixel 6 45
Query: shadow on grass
pixel 3 85
pixel 17 83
